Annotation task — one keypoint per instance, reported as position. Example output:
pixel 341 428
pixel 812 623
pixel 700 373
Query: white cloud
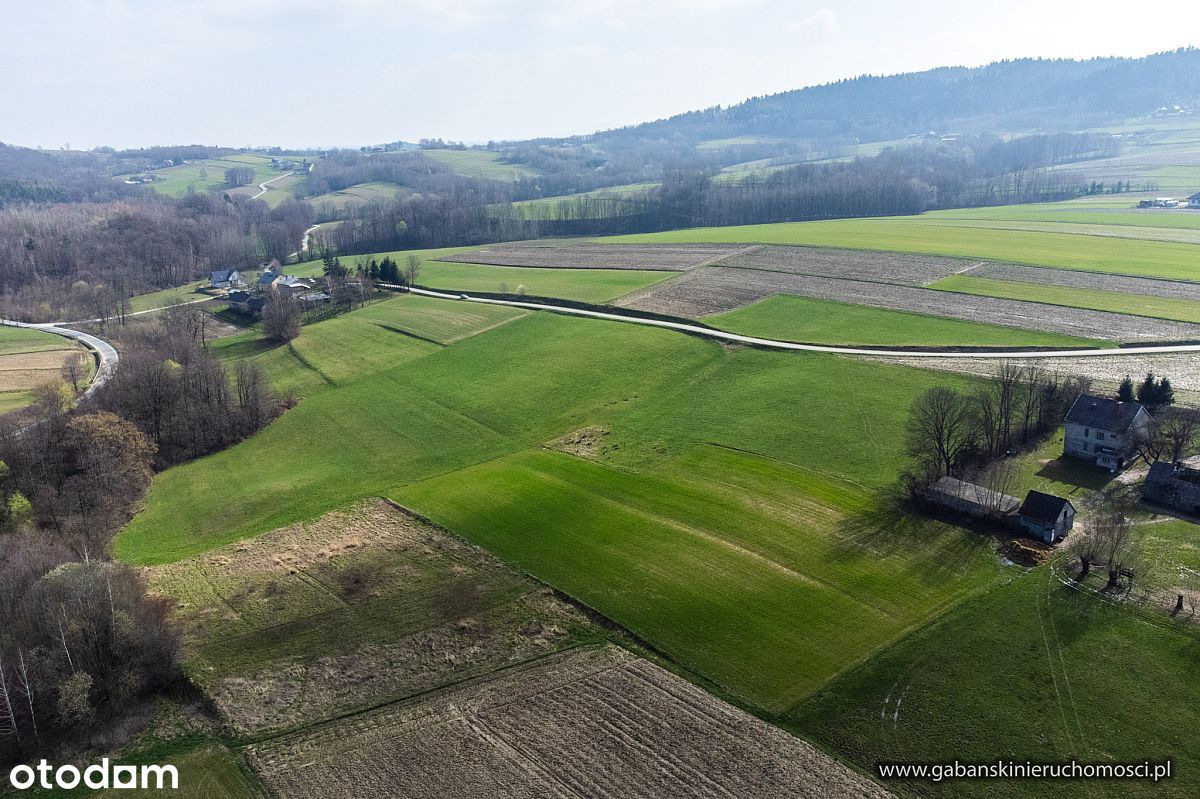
pixel 822 22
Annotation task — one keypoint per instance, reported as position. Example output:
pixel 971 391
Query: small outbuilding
pixel 1175 485
pixel 1046 517
pixel 970 499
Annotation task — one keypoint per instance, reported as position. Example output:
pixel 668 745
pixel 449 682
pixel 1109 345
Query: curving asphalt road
pixel 791 345
pixel 106 354
pixel 263 187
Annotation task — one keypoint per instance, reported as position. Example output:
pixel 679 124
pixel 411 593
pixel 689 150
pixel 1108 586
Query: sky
pixel 326 73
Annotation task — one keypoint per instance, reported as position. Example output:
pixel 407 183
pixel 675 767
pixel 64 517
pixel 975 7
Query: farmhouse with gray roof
pixel 1104 431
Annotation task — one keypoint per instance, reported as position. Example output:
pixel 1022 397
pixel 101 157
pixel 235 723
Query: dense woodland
pixel 82 643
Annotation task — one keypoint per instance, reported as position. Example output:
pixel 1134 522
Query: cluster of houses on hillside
pixel 251 299
pixel 1102 431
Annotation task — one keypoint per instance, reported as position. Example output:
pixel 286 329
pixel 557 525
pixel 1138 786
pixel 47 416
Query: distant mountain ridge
pixel 1023 95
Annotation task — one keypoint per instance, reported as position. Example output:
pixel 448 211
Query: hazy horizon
pixel 300 73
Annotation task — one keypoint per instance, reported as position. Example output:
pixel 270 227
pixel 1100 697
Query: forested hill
pixel 1008 96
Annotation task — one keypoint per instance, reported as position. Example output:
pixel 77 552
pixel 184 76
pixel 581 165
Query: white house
pixel 1104 431
pixel 225 279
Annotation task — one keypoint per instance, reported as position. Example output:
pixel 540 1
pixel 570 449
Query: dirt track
pixel 589 723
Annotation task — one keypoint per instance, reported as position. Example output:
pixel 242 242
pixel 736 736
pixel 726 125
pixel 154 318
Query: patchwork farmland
pixel 589 502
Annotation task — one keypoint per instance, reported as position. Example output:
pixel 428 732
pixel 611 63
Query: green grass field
pixel 403 409
pixel 211 771
pixel 17 340
pixel 1030 670
pixel 1114 301
pixel 923 235
pixel 166 297
pixel 480 164
pixel 707 557
pixel 813 321
pixel 583 285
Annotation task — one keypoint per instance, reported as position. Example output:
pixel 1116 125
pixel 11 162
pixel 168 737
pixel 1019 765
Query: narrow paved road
pixel 263 187
pixel 106 354
pixel 791 345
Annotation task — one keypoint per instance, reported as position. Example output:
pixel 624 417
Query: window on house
pixel 1086 432
pixel 1099 435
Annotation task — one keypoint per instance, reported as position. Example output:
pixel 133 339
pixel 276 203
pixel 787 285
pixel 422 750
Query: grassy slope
pixel 763 577
pixel 1117 302
pixel 402 409
pixel 584 285
pixel 166 297
pixel 826 322
pixel 370 422
pixel 977 687
pixel 480 164
pixel 15 340
pixel 922 235
pixel 179 179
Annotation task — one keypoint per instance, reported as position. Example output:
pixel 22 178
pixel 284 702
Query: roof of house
pixel 221 275
pixel 1044 507
pixel 1106 414
pixel 267 278
pixel 238 296
pixel 977 494
pixel 293 282
pixel 256 303
pixel 1195 197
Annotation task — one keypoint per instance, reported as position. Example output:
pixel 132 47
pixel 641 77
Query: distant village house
pixel 1104 431
pixel 1194 200
pixel 225 279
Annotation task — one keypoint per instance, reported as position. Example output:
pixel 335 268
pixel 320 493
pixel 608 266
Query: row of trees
pixel 949 430
pixel 1152 392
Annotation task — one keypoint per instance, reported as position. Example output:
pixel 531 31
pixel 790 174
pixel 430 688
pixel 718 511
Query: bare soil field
pixel 573 254
pixel 716 289
pixel 362 606
pixel 882 267
pixel 1106 370
pixel 1151 287
pixel 595 722
pixel 21 371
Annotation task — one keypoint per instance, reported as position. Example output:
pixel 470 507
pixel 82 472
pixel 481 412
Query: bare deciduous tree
pixel 941 428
